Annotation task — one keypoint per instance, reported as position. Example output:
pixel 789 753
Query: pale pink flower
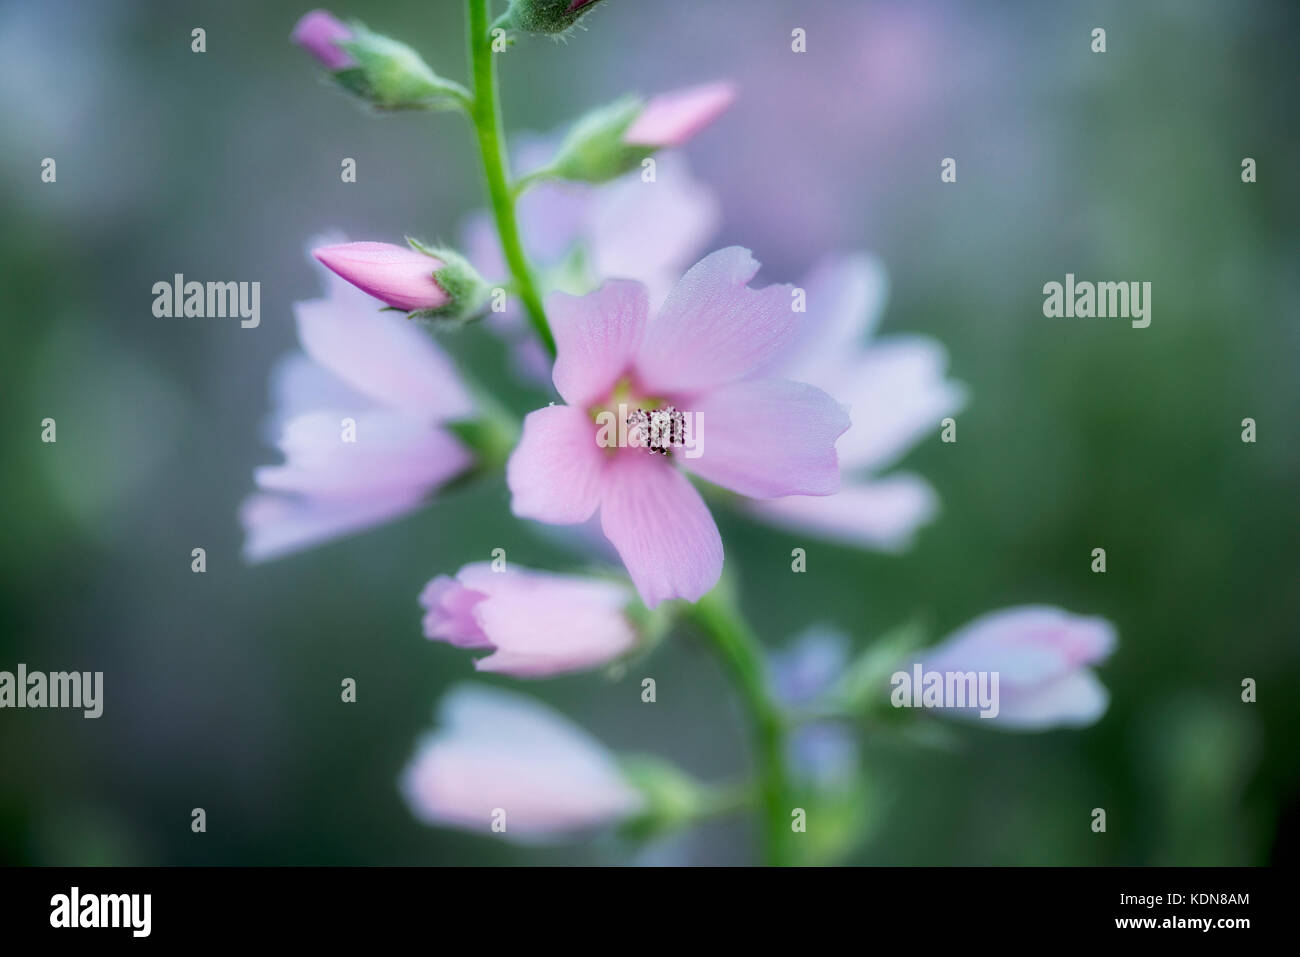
pixel 896 392
pixel 763 437
pixel 536 624
pixel 505 758
pixel 670 119
pixel 397 275
pixel 319 33
pixel 1042 656
pixel 397 388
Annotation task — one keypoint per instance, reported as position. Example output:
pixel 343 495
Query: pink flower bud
pixel 397 275
pixel 319 33
pixel 670 119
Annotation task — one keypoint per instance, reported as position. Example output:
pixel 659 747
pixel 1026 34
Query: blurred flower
pixel 537 624
pixel 360 419
pixel 670 119
pixel 319 33
pixel 895 391
pixel 823 752
pixel 767 437
pixel 504 758
pixel 1041 655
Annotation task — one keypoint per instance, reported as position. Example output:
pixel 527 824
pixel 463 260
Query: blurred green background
pixel 222 688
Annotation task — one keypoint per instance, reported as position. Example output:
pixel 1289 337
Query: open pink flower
pixel 761 437
pixel 504 759
pixel 397 275
pixel 319 33
pixel 360 417
pixel 670 119
pixel 896 392
pixel 1041 655
pixel 537 624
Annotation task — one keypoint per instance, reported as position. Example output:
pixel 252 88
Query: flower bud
pixel 426 283
pixel 387 74
pixel 545 16
pixel 320 33
pixel 616 138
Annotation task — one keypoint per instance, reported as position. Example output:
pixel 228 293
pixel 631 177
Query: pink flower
pixel 536 624
pixel 502 758
pixel 761 437
pixel 397 275
pixel 360 420
pixel 1041 655
pixel 319 33
pixel 896 392
pixel 670 119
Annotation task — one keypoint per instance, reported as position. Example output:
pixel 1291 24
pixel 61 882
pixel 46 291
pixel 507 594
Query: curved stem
pixel 486 115
pixel 743 657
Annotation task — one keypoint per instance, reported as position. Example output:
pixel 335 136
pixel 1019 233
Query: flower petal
pixel 768 437
pixel 896 392
pixel 713 328
pixel 500 750
pixel 554 473
pixel 1027 645
pixel 661 527
pixel 392 454
pixel 278 525
pixel 381 355
pixel 670 119
pixel 845 297
pixel 882 514
pixel 596 336
pixel 1074 700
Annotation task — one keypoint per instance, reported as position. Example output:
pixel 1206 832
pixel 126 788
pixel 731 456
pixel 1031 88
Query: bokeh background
pixel 222 688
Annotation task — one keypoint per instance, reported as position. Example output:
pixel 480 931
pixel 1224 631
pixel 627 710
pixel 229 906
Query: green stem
pixel 486 115
pixel 743 657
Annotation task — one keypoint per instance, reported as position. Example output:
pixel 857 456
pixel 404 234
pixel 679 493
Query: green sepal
pixel 594 150
pixel 391 76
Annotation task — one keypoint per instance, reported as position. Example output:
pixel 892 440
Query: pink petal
pixel 1074 700
pixel 501 750
pixel 882 514
pixel 713 328
pixel 397 275
pixel 845 296
pixel 393 454
pixel 449 617
pixel 1027 645
pixel 670 119
pixel 661 527
pixel 538 624
pixel 319 33
pixel 554 473
pixel 596 336
pixel 381 355
pixel 768 437
pixel 674 218
pixel 896 393
pixel 278 525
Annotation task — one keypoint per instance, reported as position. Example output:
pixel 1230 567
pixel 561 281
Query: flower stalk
pixel 486 116
pixel 742 655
